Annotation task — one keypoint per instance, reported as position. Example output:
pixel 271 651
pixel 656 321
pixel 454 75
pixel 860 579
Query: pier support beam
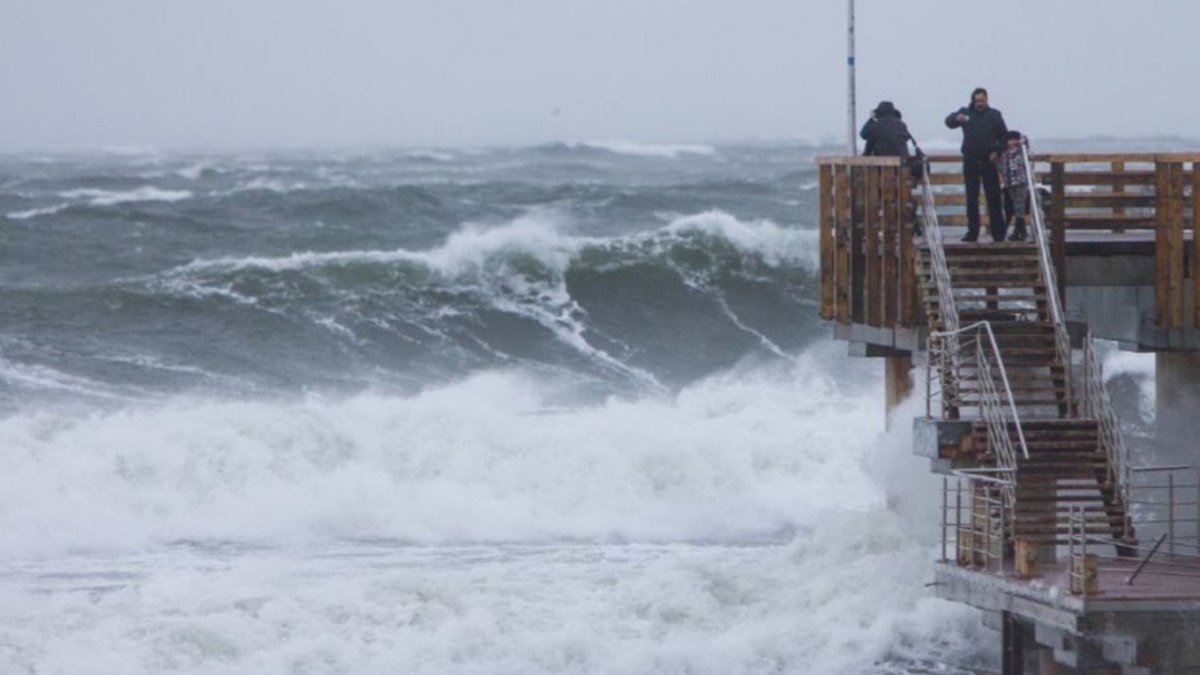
pixel 1177 389
pixel 897 385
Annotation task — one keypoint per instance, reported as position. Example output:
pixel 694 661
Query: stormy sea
pixel 556 409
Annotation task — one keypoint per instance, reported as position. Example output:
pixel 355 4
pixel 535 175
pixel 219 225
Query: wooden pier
pixel 1085 557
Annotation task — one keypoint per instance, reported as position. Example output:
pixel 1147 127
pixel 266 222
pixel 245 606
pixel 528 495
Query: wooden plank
pixel 825 225
pixel 857 257
pixel 1103 221
pixel 1195 246
pixel 1162 243
pixel 873 268
pixel 956 198
pixel 1177 250
pixel 946 178
pixel 1058 227
pixel 891 204
pixel 908 260
pixel 1109 200
pixel 858 161
pixel 1110 157
pixel 1106 178
pixel 842 243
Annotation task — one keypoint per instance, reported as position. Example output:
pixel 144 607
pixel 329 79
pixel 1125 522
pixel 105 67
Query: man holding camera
pixel 983 139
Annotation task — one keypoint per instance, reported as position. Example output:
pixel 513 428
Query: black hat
pixel 886 108
pixel 1013 135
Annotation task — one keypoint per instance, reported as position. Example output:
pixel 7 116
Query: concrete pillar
pixel 897 385
pixel 1177 414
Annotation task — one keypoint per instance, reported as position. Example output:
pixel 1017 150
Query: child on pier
pixel 1015 181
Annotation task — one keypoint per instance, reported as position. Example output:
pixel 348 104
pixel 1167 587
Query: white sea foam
pixel 146 193
pixel 477 461
pixel 34 213
pixel 734 528
pixel 669 150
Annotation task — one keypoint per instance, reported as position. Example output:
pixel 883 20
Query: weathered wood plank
pixel 1107 200
pixel 858 161
pixel 826 223
pixel 1106 178
pixel 842 243
pixel 857 256
pixel 874 268
pixel 890 203
pixel 908 260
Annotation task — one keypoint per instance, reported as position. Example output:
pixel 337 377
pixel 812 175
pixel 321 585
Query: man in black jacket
pixel 983 139
pixel 886 135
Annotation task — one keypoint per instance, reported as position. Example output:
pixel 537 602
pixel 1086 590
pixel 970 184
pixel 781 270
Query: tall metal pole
pixel 851 117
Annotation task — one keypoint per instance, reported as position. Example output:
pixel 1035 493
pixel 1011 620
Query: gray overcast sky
pixel 89 74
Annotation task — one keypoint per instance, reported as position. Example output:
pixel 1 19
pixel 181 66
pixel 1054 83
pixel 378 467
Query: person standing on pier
pixel 984 134
pixel 885 133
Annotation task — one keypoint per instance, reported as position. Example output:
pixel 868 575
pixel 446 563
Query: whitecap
pixel 633 148
pixel 145 193
pixel 34 213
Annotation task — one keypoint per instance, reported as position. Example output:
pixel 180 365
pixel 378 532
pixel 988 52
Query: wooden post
pixel 1195 313
pixel 826 222
pixel 874 278
pixel 1085 570
pixel 1169 251
pixel 1058 226
pixel 1162 243
pixel 1177 249
pixel 1118 189
pixel 1025 552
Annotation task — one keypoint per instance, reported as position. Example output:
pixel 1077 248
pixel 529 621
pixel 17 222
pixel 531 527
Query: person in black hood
pixel 886 135
pixel 983 140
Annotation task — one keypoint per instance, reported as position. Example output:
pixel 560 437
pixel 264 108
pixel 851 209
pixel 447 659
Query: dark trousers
pixel 976 171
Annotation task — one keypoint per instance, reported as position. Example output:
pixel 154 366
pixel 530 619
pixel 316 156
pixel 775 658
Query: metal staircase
pixel 1070 458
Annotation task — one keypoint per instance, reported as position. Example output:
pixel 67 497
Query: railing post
pixel 1171 515
pixel 945 516
pixel 1058 225
pixel 826 224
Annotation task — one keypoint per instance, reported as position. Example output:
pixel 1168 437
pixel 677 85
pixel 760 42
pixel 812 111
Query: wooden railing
pixel 866 220
pixel 1113 197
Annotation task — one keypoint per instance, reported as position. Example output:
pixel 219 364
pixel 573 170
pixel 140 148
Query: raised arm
pixel 952 119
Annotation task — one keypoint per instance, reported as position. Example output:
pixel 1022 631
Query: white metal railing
pixel 1062 340
pixel 998 410
pixel 978 523
pixel 945 350
pixel 1165 500
pixel 1097 405
pixel 1166 509
pixel 948 312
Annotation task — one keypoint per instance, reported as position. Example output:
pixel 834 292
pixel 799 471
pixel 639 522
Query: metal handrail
pixel 986 516
pixel 937 252
pixel 985 376
pixel 1062 340
pixel 1098 405
pixel 990 403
